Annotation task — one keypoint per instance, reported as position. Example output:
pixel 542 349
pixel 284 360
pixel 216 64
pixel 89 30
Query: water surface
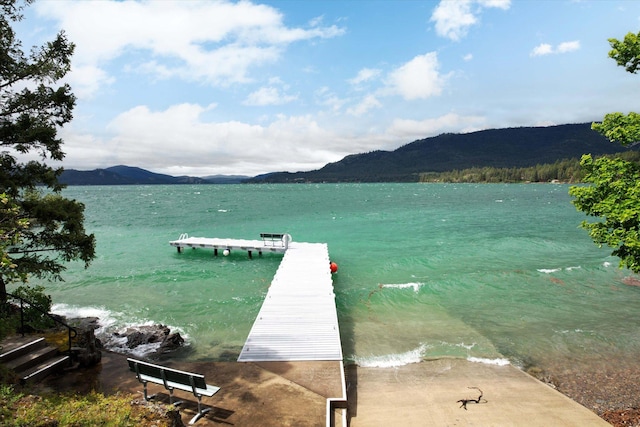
pixel 495 272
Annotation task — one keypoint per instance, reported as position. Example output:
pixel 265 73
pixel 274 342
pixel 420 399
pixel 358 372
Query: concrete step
pixel 40 371
pixel 15 347
pixel 31 359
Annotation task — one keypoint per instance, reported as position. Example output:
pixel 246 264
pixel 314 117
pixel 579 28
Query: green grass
pixel 93 409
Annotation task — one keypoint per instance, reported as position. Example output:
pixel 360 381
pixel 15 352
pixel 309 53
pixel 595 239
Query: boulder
pixel 84 323
pixel 146 334
pixel 86 346
pixel 152 334
pixel 171 342
pixel 88 354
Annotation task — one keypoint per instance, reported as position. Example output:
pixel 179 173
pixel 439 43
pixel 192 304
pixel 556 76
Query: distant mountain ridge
pixel 129 175
pixel 499 148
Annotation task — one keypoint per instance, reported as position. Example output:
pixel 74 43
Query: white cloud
pixel 87 80
pixel 327 98
pixel 368 103
pixel 453 18
pixel 178 139
pixel 547 49
pixel 568 46
pixel 317 21
pixel 418 78
pixel 416 129
pixel 500 4
pixel 217 43
pixel 268 96
pixel 542 49
pixel 365 75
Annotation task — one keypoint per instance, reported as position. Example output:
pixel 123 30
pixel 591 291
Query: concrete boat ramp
pixel 297 328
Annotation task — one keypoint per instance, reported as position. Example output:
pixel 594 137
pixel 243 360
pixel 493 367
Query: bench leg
pixel 171 402
pixel 147 397
pixel 200 413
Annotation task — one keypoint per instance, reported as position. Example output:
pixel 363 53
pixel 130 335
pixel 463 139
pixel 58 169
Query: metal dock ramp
pixel 298 320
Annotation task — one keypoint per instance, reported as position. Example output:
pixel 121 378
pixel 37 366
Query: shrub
pixel 36 317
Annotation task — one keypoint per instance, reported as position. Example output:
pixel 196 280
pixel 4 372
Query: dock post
pixel 179 249
pixel 215 252
pixel 250 256
pixel 286 239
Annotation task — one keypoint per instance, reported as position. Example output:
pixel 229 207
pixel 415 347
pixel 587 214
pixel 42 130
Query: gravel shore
pixel 609 387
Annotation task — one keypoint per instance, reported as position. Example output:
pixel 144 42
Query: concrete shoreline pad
pixel 294 393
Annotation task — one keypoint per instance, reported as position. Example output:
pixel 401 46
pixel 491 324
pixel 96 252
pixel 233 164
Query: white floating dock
pixel 298 320
pixel 260 246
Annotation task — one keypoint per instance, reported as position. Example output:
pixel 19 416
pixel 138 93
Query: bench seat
pixel 173 379
pixel 209 391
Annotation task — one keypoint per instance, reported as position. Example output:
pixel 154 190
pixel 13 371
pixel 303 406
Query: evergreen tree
pixel 40 230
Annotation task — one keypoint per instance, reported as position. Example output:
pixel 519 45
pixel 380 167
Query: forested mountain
pixel 497 148
pixel 127 175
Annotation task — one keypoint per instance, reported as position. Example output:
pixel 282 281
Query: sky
pixel 204 88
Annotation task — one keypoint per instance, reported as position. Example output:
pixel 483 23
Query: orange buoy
pixel 334 267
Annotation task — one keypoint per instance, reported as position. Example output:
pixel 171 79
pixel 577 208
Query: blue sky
pixel 215 87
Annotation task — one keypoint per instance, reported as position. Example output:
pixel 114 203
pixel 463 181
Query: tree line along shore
pixel 565 171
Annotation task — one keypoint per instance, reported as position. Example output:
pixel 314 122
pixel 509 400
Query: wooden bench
pixel 173 379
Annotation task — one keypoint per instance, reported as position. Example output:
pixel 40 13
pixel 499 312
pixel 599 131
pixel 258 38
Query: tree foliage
pixel 625 52
pixel 40 229
pixel 621 128
pixel 12 224
pixel 563 171
pixel 614 193
pixel 614 197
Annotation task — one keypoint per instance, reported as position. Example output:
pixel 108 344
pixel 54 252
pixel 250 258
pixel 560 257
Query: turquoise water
pixel 493 272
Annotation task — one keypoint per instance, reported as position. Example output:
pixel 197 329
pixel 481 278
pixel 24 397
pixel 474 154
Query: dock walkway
pixel 298 320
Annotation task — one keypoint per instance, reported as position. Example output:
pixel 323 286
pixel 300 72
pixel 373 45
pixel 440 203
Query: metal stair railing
pixel 72 332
